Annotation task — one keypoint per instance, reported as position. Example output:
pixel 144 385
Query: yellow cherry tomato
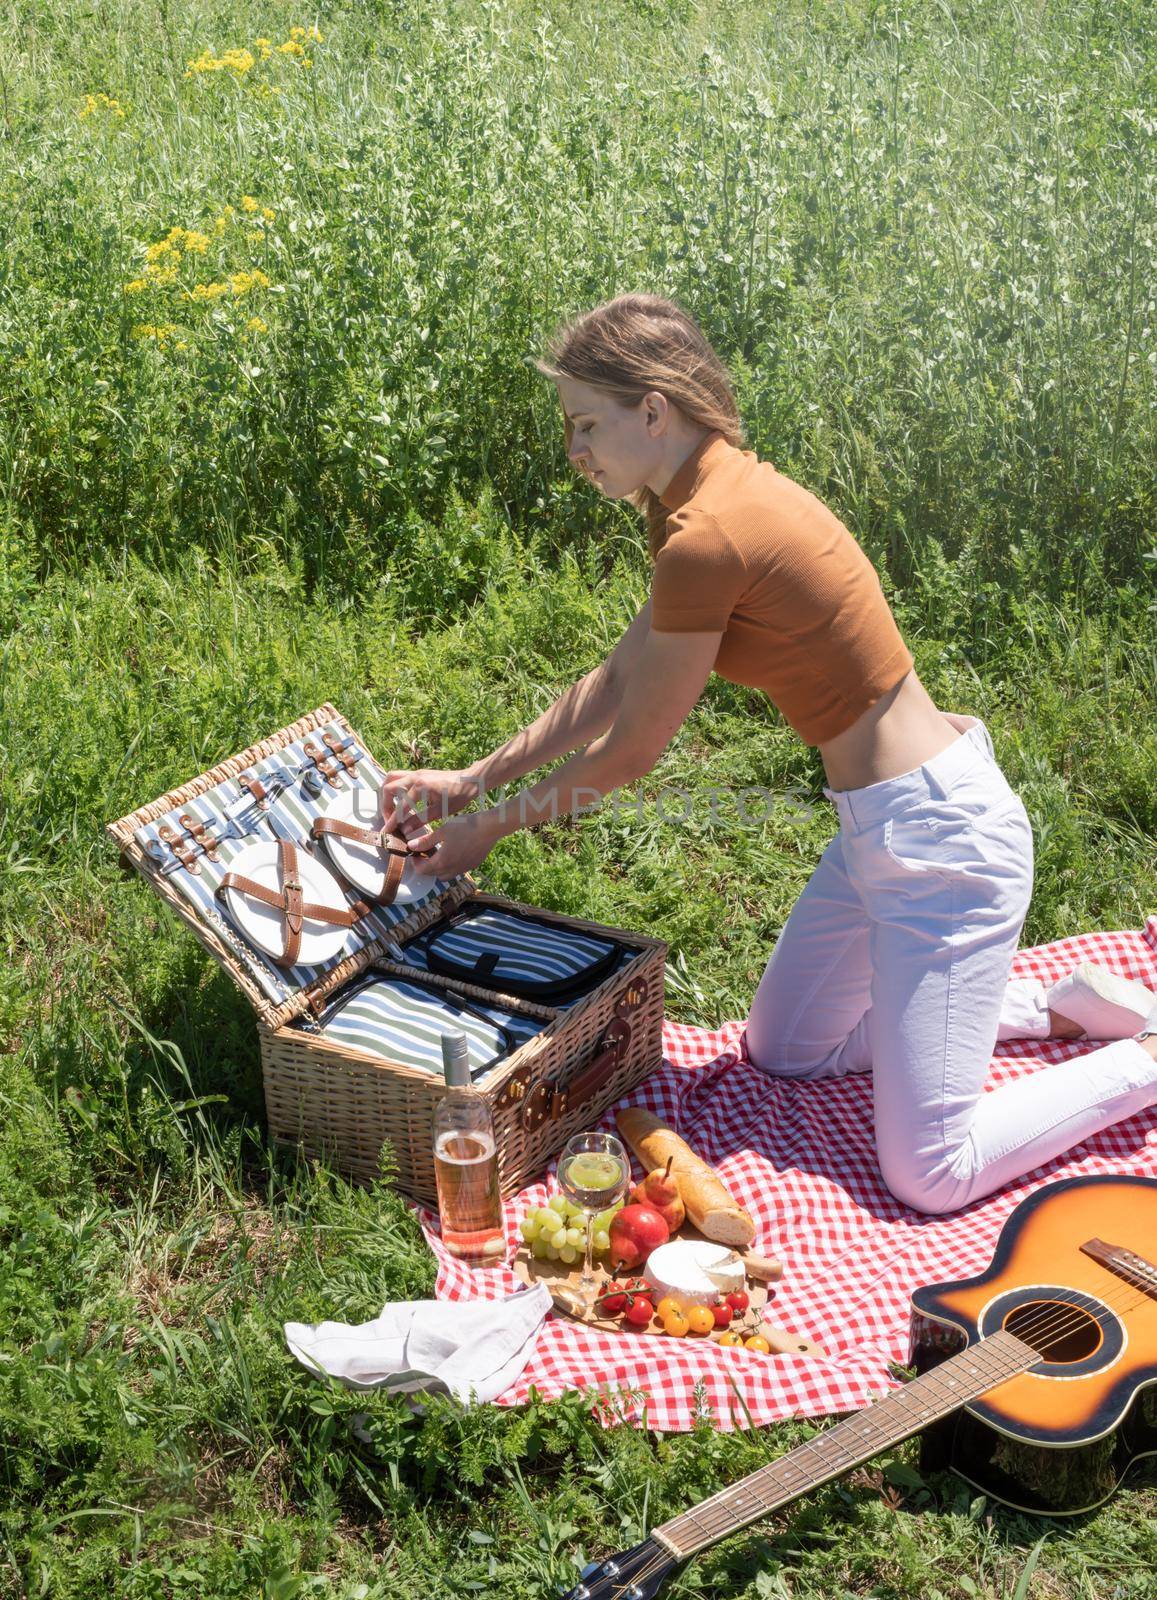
pixel 675 1323
pixel 731 1337
pixel 665 1307
pixel 757 1342
pixel 700 1319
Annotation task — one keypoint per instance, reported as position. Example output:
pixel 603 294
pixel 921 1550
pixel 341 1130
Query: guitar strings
pixel 1058 1322
pixel 1057 1325
pixel 1068 1318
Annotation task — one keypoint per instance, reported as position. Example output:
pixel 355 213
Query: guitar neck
pixel 857 1439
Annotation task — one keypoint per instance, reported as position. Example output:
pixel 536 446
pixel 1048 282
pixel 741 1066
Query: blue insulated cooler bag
pixel 496 948
pixel 403 1019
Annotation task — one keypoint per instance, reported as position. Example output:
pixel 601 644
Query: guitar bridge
pixel 1127 1264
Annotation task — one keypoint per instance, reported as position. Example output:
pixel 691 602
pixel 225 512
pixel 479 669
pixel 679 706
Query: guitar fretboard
pixel 855 1440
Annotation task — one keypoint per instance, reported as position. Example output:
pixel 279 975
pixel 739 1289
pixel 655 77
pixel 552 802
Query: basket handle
pixel 552 1101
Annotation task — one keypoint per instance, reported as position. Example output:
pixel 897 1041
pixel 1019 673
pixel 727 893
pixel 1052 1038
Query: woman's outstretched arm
pixel 667 680
pixel 587 709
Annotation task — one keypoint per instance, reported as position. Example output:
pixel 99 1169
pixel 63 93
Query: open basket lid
pixel 273 790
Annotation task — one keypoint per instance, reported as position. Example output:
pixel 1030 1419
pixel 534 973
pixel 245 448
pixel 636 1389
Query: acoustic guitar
pixel 1030 1384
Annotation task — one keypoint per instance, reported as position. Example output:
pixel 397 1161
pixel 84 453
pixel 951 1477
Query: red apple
pixel 660 1191
pixel 635 1232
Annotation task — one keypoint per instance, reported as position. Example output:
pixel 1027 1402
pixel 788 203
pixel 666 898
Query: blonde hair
pixel 634 344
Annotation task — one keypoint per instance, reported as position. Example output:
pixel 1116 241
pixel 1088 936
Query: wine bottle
pixel 466 1163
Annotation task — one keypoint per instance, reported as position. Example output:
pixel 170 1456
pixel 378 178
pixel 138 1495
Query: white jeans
pixel 896 958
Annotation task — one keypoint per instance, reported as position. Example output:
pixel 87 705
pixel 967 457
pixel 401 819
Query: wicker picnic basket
pixel 342 1103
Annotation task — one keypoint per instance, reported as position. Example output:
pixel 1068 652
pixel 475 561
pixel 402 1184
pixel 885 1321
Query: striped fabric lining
pixel 296 811
pixel 528 952
pixel 404 1022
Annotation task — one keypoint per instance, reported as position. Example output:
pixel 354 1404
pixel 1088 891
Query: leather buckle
pixel 292 894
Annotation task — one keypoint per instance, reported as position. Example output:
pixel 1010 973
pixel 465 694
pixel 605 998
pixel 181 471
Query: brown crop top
pixel 756 556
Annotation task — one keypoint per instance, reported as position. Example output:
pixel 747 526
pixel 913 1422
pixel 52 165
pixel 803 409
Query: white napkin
pixel 472 1349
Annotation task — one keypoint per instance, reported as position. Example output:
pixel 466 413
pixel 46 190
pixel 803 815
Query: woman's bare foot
pixel 1061 1028
pixel 1094 1003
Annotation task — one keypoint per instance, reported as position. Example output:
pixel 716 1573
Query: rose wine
pixel 466 1163
pixel 466 1169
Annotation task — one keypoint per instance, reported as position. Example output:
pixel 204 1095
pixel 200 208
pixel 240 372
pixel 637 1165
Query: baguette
pixel 708 1204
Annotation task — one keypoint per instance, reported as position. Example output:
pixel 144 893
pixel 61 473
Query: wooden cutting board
pixel 563 1282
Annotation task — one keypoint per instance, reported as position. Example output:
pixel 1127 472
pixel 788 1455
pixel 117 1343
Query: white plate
pixel 364 865
pixel 264 926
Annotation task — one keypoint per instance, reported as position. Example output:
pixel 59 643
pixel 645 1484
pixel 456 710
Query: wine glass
pixel 594 1172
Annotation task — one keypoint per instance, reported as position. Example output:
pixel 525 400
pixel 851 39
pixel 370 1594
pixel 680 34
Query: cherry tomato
pixel 700 1319
pixel 675 1323
pixel 666 1305
pixel 639 1312
pixel 737 1300
pixel 731 1338
pixel 722 1314
pixel 613 1300
pixel 757 1342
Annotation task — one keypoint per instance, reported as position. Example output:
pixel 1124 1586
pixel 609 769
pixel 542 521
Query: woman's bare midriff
pixel 899 733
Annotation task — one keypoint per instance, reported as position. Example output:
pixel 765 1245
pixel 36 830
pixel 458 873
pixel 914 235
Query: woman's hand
pixel 462 844
pixel 442 793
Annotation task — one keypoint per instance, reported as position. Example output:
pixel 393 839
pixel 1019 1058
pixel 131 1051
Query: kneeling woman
pixel 896 957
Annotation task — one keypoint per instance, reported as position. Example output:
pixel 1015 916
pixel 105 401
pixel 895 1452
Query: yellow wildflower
pixel 242 282
pixel 256 325
pixel 236 284
pixel 161 248
pixel 267 214
pixel 100 102
pixel 137 286
pixel 306 33
pixel 291 47
pixel 235 61
pixel 255 238
pixel 249 204
pixel 160 332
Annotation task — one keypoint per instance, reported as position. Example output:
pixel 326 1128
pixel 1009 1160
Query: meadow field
pixel 269 282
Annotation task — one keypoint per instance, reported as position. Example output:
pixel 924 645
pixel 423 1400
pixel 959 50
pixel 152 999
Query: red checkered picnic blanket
pixel 801 1158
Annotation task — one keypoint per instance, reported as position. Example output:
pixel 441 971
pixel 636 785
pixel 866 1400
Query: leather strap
pixel 550 1101
pixel 254 785
pixel 291 902
pixel 339 749
pixel 392 845
pixel 323 762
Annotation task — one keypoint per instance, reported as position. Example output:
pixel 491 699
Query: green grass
pixel 920 236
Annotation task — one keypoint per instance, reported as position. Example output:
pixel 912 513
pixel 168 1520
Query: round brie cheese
pixel 693 1272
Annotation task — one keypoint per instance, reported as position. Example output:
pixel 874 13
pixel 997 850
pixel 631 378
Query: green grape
pixel 553 1252
pixel 539 1249
pixel 605 1218
pixel 568 1254
pixel 560 1204
pixel 574 1236
pixel 528 1228
pixel 558 1239
pixel 602 1241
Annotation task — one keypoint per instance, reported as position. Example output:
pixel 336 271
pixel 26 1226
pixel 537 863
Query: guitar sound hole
pixel 1061 1332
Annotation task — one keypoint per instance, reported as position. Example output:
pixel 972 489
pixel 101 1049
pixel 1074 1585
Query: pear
pixel 660 1190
